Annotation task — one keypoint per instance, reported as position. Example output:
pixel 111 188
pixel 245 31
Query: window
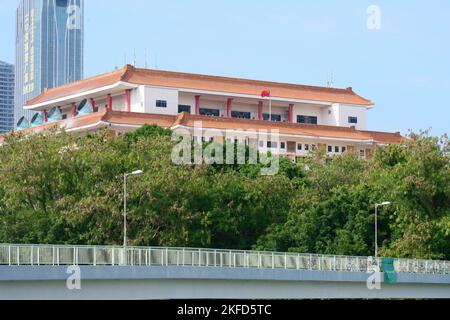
pixel 272 144
pixel 241 115
pixel 275 117
pixel 336 149
pixel 283 145
pixel 161 103
pixel 210 112
pixel 362 153
pixel 307 119
pixel 261 144
pixel 299 146
pixel 184 108
pixel 306 147
pixel 313 147
pixel 353 120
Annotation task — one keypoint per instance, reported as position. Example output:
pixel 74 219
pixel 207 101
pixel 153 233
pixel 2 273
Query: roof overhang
pixel 273 98
pixel 120 85
pixel 274 132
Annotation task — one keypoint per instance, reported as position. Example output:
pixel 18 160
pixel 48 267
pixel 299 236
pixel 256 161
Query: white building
pixel 305 116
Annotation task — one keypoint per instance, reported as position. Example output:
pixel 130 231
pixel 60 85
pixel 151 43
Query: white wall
pixel 152 94
pixel 137 99
pixel 119 103
pixel 353 111
pixel 330 115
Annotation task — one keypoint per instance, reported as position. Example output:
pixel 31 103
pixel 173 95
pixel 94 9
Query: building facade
pixel 6 97
pixel 304 117
pixel 49 48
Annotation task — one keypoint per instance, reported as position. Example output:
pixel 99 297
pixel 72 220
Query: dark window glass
pixel 240 114
pixel 161 103
pixel 306 147
pixel 275 117
pixel 307 119
pixel 283 145
pixel 336 149
pixel 299 146
pixel 353 120
pixel 330 148
pixel 209 112
pixel 184 108
pixel 272 144
pixel 344 149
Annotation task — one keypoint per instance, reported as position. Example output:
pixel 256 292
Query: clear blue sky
pixel 404 67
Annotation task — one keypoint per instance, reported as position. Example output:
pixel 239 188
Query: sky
pixel 403 66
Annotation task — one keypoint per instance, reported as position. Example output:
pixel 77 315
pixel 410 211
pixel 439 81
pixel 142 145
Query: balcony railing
pixel 63 255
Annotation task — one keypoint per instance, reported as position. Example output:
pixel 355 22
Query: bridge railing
pixel 56 255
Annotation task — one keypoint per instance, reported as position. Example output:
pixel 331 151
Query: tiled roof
pixel 114 118
pixel 199 82
pixel 79 87
pixel 288 128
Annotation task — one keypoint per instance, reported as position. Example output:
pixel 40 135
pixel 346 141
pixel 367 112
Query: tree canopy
pixel 64 189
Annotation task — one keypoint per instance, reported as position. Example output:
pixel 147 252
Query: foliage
pixel 60 188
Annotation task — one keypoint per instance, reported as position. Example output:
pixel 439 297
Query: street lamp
pixel 137 172
pixel 387 203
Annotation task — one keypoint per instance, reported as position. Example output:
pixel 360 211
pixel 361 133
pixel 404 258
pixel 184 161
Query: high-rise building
pixel 49 48
pixel 6 97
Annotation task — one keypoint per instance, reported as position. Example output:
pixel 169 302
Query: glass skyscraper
pixel 6 97
pixel 49 48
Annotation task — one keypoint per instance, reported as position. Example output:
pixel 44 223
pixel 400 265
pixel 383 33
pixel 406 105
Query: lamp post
pixel 387 203
pixel 137 172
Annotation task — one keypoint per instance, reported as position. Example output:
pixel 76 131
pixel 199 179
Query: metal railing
pixel 56 255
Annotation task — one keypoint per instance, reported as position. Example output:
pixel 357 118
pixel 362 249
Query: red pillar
pixel 291 113
pixel 197 104
pixel 110 102
pixel 128 99
pixel 260 110
pixel 94 108
pixel 74 109
pixel 229 107
pixel 45 116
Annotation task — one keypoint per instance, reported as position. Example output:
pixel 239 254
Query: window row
pixel 336 149
pixel 304 119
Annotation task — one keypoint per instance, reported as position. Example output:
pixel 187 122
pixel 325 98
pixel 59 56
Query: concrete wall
pixel 152 94
pixel 353 111
pixel 209 283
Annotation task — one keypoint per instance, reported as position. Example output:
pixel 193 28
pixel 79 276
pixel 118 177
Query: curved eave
pixel 102 91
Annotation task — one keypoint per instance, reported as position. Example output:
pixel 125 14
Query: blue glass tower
pixel 49 48
pixel 6 97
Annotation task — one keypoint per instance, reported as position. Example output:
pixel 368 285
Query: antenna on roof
pixel 330 83
pixel 146 64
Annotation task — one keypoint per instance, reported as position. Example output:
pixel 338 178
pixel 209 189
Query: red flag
pixel 265 93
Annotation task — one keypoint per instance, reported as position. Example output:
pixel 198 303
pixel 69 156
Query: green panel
pixel 387 266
